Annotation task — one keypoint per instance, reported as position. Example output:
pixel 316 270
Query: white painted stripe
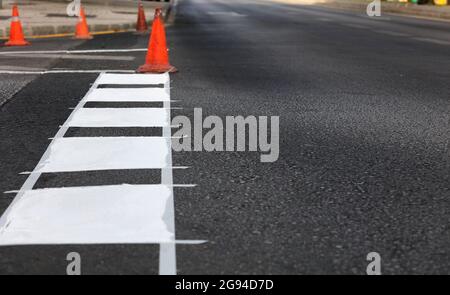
pixel 33 178
pixel 133 79
pixel 225 13
pixel 356 26
pixel 63 72
pixel 106 153
pixel 169 167
pixel 128 94
pixel 167 252
pixel 390 33
pixel 434 41
pixel 119 117
pixel 174 185
pixel 55 159
pixel 79 56
pixel 89 215
pixel 74 51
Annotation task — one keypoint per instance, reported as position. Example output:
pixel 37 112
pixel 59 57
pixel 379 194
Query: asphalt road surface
pixel 364 132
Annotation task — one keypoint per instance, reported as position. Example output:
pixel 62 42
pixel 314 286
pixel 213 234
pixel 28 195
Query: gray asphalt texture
pixel 364 133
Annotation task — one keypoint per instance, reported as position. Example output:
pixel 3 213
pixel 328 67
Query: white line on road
pixel 134 79
pixel 74 51
pixel 119 117
pixel 101 214
pixel 110 214
pixel 391 33
pixel 64 72
pixel 225 13
pixel 429 40
pixel 167 252
pixel 129 95
pixel 356 26
pixel 78 56
pixel 105 153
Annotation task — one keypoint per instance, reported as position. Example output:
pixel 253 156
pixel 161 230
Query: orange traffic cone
pixel 141 24
pixel 16 37
pixel 157 59
pixel 82 29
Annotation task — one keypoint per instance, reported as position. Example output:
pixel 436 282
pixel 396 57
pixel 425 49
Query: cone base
pixel 17 43
pixel 157 69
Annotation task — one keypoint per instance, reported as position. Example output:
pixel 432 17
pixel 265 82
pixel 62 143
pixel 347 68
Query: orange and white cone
pixel 141 24
pixel 16 37
pixel 157 59
pixel 82 29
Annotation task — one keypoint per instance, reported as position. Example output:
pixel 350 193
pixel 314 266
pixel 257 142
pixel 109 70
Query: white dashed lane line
pixel 71 56
pixel 356 26
pixel 434 41
pixel 391 33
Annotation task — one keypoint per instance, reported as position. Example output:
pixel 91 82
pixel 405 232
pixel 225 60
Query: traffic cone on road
pixel 82 29
pixel 157 59
pixel 16 37
pixel 141 24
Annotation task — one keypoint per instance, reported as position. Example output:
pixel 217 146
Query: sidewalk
pixel 49 18
pixel 429 10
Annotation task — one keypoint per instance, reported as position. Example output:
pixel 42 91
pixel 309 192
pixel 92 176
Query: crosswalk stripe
pixel 128 95
pixel 119 117
pixel 106 153
pixel 133 79
pixel 89 215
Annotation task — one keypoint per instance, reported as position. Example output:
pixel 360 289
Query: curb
pixel 65 30
pixel 403 9
pixel 51 31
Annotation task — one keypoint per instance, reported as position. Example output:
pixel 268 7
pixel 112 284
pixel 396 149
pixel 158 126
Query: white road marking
pixel 226 13
pixel 174 185
pixel 356 26
pixel 74 51
pixel 128 95
pixel 167 252
pixel 119 117
pixel 89 215
pixel 434 41
pixel 78 56
pixel 63 72
pixel 106 153
pixel 133 79
pixel 34 216
pixel 391 33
